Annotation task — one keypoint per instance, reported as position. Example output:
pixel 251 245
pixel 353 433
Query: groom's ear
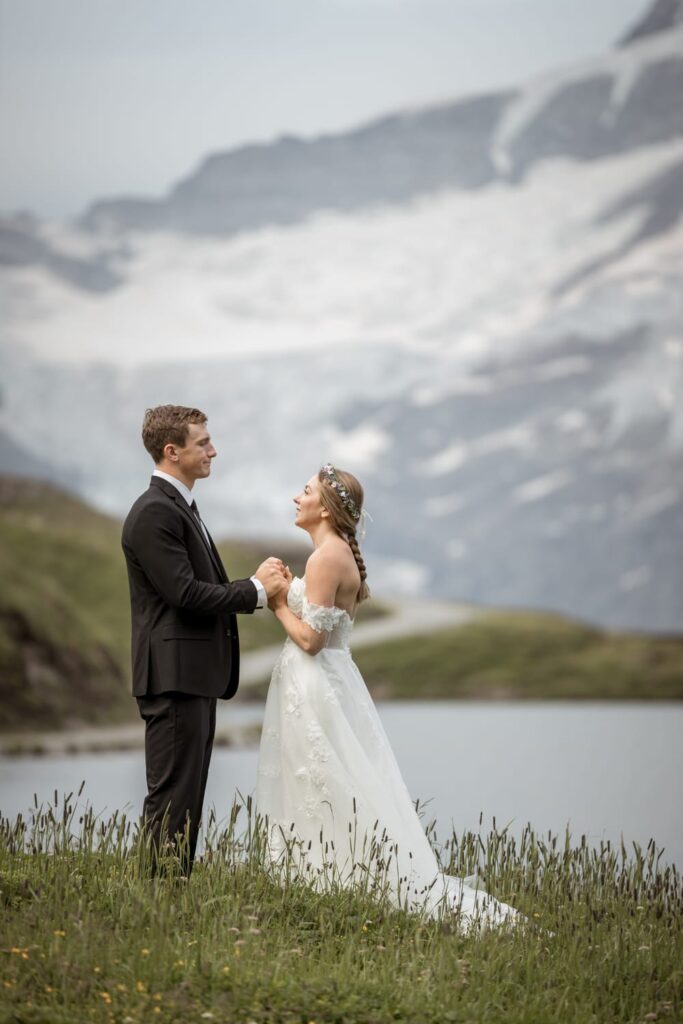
pixel 170 452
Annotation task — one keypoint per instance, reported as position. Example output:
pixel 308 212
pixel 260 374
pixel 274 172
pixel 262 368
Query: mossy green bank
pixel 525 656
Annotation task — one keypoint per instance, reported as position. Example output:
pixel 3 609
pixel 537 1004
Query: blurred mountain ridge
pixel 597 108
pixel 661 16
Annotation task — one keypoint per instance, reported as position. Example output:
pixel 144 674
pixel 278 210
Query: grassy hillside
pixel 64 609
pixel 89 938
pixel 526 655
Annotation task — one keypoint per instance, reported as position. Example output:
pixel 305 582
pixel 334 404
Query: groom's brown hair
pixel 168 424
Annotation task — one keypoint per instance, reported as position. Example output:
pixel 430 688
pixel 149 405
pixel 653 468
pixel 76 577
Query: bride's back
pixel 336 559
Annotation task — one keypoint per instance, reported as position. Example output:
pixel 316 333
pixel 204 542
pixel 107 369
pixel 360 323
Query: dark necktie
pixel 195 512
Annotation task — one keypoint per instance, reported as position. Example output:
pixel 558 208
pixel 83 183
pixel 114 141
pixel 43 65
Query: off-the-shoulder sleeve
pixel 319 617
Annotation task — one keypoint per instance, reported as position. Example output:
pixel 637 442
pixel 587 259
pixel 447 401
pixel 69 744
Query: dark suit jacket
pixel 183 606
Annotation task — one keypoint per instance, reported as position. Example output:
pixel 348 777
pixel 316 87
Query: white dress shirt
pixel 261 596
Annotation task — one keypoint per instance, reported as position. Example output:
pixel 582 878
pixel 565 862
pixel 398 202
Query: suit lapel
pixel 176 496
pixel 218 559
pixel 187 511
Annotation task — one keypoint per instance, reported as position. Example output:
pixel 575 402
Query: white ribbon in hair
pixel 362 527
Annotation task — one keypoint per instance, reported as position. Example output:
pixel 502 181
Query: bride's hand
pixel 279 598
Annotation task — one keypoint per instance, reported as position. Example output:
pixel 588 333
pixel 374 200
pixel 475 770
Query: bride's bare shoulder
pixel 332 556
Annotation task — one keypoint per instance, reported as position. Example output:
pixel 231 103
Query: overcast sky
pixel 102 97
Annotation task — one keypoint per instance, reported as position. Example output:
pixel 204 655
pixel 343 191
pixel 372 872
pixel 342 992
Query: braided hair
pixel 341 516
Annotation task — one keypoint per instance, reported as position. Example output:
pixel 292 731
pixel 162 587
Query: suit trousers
pixel 179 731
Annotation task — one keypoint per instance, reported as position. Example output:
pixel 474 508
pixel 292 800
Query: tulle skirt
pixel 337 808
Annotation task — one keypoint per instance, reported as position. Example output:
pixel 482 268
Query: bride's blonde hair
pixel 341 513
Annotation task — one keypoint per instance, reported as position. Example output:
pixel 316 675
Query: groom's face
pixel 194 458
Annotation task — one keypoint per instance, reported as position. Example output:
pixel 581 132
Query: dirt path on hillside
pixel 405 618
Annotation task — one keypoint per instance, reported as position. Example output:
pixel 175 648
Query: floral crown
pixel 335 483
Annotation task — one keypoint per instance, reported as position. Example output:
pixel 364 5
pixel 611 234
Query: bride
pixel 328 785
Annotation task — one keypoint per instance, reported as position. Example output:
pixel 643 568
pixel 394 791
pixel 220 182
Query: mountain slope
pixel 283 182
pixel 661 16
pixel 64 609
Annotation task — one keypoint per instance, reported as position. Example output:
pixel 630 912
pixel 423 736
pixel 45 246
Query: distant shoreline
pixel 75 742
pixel 108 739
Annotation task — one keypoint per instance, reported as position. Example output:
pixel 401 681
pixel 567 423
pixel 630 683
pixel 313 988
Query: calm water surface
pixel 605 770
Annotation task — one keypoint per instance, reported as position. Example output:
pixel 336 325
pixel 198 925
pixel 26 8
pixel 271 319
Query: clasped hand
pixel 276 578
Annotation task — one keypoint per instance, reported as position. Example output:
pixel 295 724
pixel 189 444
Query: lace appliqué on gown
pixel 320 618
pixel 325 763
pixel 335 622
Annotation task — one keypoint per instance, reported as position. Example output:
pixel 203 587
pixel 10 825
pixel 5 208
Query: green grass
pixel 85 936
pixel 525 655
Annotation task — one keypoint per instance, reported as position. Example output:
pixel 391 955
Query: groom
pixel 185 645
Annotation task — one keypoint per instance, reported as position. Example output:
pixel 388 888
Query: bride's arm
pixel 322 580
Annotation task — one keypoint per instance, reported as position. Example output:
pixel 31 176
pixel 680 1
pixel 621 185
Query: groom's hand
pixel 271 574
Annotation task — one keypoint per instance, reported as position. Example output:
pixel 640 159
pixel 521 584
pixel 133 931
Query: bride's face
pixel 309 510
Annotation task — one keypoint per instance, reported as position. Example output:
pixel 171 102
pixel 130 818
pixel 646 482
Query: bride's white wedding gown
pixel 332 790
